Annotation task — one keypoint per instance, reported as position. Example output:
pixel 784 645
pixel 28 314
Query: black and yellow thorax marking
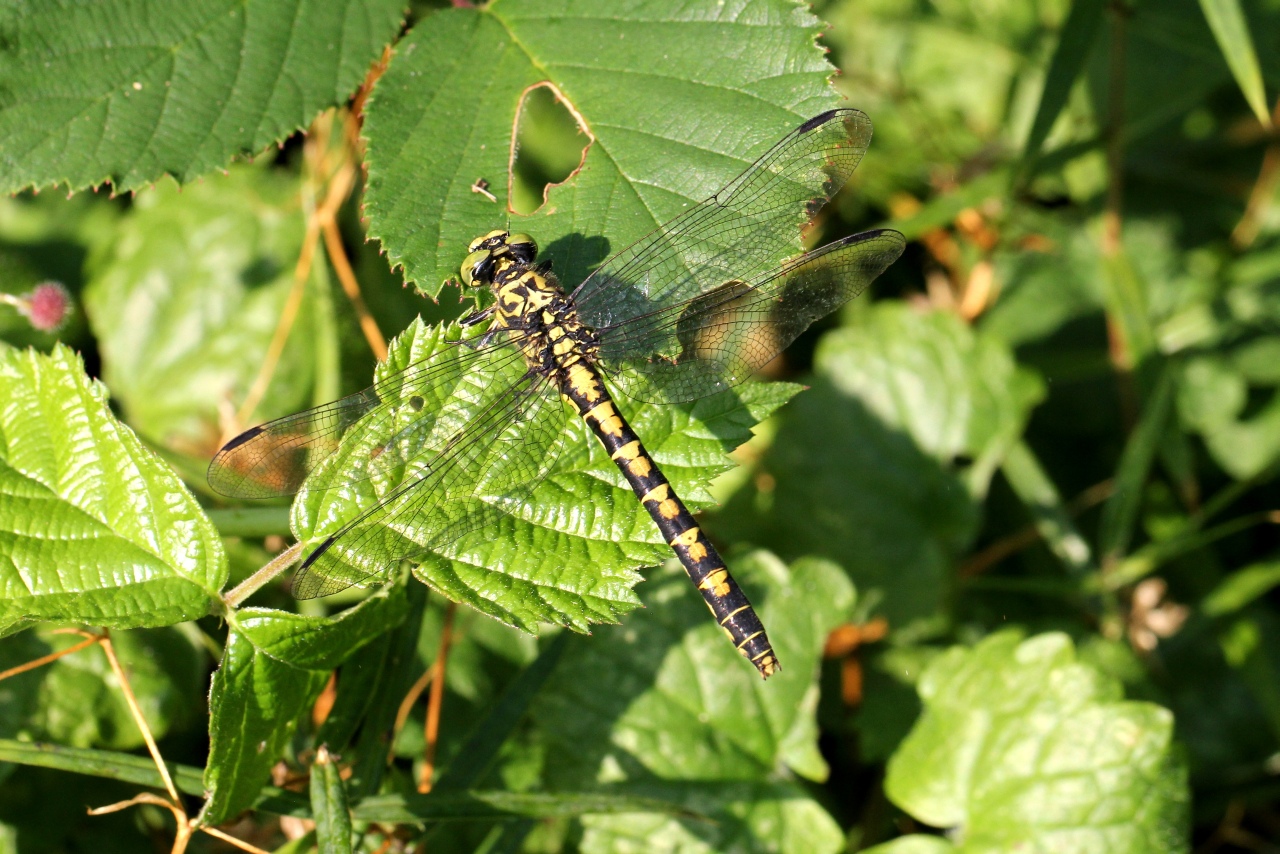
pixel 531 302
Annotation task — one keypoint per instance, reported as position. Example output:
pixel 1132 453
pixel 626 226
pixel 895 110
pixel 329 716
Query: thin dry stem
pixel 301 272
pixel 46 659
pixel 431 730
pixel 351 287
pixel 340 181
pixel 1120 349
pixel 136 711
pixel 231 840
pixel 411 697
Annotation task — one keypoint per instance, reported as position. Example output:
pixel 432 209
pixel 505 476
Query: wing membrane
pixel 273 459
pixel 503 450
pixel 739 234
pixel 720 338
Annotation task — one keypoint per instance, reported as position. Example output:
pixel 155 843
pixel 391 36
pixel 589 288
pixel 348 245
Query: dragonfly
pixel 463 435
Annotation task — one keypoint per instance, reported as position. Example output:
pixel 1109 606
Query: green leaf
pixel 1242 587
pixel 139 770
pixel 1121 510
pixel 1042 291
pixel 329 805
pixel 914 844
pixel 1227 21
pixel 1023 748
pixel 77 700
pixel 663 701
pixel 128 91
pixel 95 529
pixel 908 418
pixel 1213 400
pixel 665 133
pixel 478 752
pixel 1172 67
pixel 1052 519
pixel 503 805
pixel 274 666
pixel 545 559
pixel 185 298
pixel 1075 41
pixel 744 816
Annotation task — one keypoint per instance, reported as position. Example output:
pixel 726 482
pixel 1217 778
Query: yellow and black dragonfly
pixel 463 435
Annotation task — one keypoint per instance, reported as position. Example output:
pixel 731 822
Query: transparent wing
pixel 722 337
pixel 273 459
pixel 739 234
pixel 502 449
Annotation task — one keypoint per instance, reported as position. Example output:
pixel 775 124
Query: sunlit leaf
pixel 1230 28
pixel 99 531
pixel 886 457
pixel 1021 747
pixel 126 92
pixel 274 665
pixel 438 121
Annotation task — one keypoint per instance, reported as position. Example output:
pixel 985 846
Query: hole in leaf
pixel 549 147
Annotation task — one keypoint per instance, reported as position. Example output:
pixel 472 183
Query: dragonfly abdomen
pixel 581 386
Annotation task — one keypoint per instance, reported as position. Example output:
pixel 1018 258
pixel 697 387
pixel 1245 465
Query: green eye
pixel 523 248
pixel 471 266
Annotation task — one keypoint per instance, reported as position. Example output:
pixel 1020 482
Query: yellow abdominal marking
pixel 734 613
pixel 658 493
pixel 606 418
pixel 716 582
pixel 769 666
pixel 667 507
pixel 748 639
pixel 583 382
pixel 627 452
pixel 640 467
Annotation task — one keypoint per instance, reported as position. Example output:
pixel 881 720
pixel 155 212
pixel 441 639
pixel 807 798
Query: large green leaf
pixel 666 133
pixel 274 665
pixel 127 91
pixel 186 296
pixel 93 528
pixel 886 457
pixel 663 707
pixel 566 553
pixel 1022 748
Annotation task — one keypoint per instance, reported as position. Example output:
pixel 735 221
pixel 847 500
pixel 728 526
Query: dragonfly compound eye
pixel 477 268
pixel 523 247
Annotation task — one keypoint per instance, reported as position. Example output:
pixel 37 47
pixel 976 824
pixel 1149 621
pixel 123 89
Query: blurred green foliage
pixel 1016 544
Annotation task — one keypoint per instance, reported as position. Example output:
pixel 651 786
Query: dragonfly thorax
pixel 530 302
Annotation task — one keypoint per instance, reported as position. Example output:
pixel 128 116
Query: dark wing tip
pixel 843 113
pixel 241 439
pixel 308 583
pixel 222 477
pixel 817 121
pixel 893 240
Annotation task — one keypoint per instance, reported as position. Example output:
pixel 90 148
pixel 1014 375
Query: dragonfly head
pixel 488 251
